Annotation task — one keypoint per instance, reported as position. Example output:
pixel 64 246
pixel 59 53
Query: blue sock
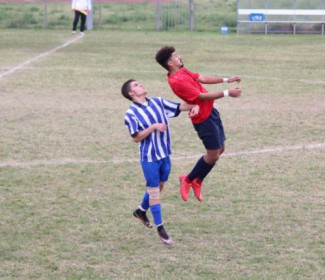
pixel 145 201
pixel 156 214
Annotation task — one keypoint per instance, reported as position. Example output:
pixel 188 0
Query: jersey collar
pixel 142 105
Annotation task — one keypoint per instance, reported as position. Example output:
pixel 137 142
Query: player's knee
pixel 161 186
pixel 213 158
pixel 154 193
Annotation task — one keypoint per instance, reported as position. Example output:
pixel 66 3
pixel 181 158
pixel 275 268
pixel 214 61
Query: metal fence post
pixel 45 13
pixel 158 14
pixel 191 19
pixel 323 17
pixel 99 13
pixel 90 19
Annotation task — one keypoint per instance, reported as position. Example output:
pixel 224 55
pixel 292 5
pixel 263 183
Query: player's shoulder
pixel 132 109
pixel 156 98
pixel 157 101
pixel 182 75
pixel 190 73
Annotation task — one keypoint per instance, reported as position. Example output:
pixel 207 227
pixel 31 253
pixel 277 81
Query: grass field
pixel 70 179
pixel 210 15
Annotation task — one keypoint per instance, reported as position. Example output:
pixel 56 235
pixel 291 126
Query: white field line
pixel 306 81
pixel 12 163
pixel 22 65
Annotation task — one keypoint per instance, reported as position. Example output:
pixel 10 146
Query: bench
pixel 291 16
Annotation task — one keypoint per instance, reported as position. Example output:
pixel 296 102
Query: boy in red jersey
pixel 188 86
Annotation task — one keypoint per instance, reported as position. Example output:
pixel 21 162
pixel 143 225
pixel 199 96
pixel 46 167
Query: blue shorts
pixel 211 131
pixel 156 171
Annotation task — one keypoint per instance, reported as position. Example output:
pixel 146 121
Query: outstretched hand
pixel 234 79
pixel 235 92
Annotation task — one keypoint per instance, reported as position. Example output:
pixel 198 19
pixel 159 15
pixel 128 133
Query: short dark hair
pixel 126 89
pixel 163 55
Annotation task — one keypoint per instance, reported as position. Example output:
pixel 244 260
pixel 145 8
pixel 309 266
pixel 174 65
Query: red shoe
pixel 185 187
pixel 197 187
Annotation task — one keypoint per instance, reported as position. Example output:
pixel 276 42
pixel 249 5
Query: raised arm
pixel 206 79
pixel 234 92
pixel 193 108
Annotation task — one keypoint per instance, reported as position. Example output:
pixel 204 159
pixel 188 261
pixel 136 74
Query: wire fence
pixel 207 15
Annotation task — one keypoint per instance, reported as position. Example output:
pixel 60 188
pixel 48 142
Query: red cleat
pixel 185 187
pixel 197 187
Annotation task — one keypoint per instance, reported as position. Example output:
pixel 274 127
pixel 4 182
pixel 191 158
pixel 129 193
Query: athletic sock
pixel 200 170
pixel 206 168
pixel 145 202
pixel 160 227
pixel 196 170
pixel 156 214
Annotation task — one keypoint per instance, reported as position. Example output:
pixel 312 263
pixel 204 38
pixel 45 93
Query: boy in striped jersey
pixel 147 122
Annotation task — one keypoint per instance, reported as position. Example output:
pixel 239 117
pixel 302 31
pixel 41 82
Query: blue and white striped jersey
pixel 139 117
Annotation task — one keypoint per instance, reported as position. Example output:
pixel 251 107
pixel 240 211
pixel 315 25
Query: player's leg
pixel 213 137
pixel 141 211
pixel 204 166
pixel 156 173
pixel 161 186
pixel 164 171
pixel 200 171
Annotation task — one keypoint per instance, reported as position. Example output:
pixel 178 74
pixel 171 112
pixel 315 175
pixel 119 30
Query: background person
pixel 81 9
pixel 147 122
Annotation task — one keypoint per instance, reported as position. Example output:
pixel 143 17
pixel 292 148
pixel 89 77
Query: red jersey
pixel 186 86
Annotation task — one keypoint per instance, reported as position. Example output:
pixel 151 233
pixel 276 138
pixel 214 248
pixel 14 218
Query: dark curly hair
pixel 163 55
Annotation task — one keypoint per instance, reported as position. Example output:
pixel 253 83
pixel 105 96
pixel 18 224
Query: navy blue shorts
pixel 211 131
pixel 156 171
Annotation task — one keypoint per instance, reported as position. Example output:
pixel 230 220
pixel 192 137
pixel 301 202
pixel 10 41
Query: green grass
pixel 262 216
pixel 209 15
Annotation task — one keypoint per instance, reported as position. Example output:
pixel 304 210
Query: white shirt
pixel 81 5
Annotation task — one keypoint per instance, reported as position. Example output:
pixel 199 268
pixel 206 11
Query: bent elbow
pixel 203 97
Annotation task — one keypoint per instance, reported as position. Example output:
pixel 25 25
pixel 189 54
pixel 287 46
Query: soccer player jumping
pixel 188 86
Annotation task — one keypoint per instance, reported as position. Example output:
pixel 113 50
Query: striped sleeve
pixel 131 123
pixel 171 107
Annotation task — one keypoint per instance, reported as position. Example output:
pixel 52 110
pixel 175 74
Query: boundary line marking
pixel 306 81
pixel 90 161
pixel 22 65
